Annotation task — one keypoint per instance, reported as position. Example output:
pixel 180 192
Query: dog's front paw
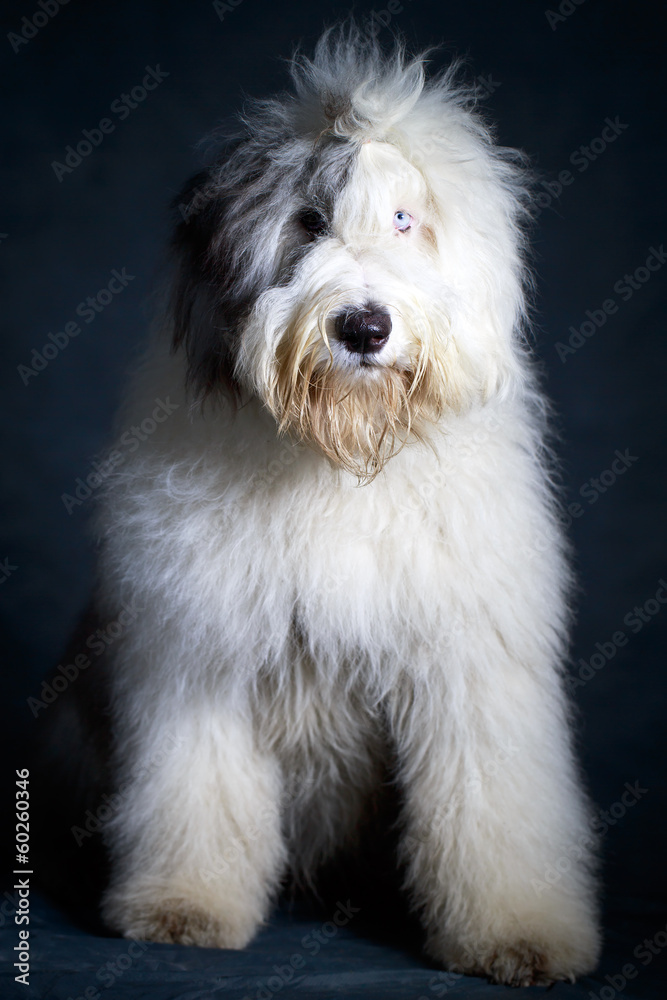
pixel 532 959
pixel 517 964
pixel 176 918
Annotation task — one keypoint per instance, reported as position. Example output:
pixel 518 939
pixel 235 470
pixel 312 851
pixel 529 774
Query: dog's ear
pixel 205 310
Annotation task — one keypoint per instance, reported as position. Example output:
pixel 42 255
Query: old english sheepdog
pixel 341 545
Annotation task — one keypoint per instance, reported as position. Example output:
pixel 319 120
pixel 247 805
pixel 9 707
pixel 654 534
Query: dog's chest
pixel 354 563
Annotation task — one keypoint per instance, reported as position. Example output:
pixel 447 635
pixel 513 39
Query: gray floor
pixel 288 960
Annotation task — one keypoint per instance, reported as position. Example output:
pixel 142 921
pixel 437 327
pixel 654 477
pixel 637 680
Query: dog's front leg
pixel 195 841
pixel 493 809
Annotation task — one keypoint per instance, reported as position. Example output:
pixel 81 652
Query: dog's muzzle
pixel 363 331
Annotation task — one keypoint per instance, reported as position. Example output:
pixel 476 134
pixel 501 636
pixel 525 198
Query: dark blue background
pixel 554 88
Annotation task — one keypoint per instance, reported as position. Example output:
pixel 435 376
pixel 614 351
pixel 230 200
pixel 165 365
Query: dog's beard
pixel 358 415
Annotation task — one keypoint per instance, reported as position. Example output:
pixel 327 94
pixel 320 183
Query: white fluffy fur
pixel 291 620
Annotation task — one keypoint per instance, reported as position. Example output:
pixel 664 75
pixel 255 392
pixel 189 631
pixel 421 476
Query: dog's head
pixel 354 258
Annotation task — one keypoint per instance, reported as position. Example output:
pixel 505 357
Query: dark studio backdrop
pixel 581 87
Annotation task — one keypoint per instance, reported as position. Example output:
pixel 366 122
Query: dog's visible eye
pixel 402 221
pixel 313 222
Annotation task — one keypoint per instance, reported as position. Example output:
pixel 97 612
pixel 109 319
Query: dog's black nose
pixel 363 332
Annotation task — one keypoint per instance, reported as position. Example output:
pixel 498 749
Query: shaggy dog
pixel 339 538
